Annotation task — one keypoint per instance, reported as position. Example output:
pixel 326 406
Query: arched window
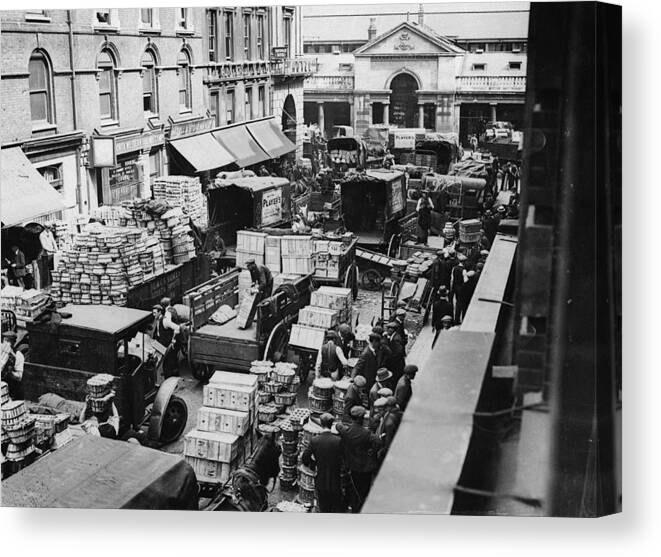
pixel 185 102
pixel 41 89
pixel 149 84
pixel 107 85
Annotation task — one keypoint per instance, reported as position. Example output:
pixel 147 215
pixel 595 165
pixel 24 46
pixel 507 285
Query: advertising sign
pixel 103 152
pixel 396 197
pixel 271 207
pixel 404 140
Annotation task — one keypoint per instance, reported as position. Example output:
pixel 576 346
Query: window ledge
pixel 185 32
pixel 36 18
pixel 105 28
pixel 150 30
pixel 43 127
pixel 186 111
pixel 109 123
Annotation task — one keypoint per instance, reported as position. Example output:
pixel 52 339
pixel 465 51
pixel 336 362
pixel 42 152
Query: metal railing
pixel 498 83
pixel 294 66
pixel 330 82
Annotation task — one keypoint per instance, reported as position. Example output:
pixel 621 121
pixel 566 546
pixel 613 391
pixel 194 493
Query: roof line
pixel 318 16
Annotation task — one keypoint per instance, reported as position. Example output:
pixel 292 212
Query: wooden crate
pixel 230 397
pixel 224 421
pixel 297 265
pixel 306 337
pixel 243 256
pixel 318 317
pixel 296 246
pixel 253 242
pixel 231 378
pixel 210 471
pixel 212 445
pixel 331 297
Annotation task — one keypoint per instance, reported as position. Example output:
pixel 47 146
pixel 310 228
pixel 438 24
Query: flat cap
pixel 357 412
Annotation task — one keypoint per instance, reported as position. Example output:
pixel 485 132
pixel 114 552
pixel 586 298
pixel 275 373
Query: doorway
pixel 404 101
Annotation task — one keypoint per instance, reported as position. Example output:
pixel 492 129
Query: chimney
pixel 371 30
pixel 421 14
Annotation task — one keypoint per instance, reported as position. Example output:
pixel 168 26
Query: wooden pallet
pixel 374 257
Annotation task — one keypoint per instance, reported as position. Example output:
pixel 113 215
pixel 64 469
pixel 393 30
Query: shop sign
pixel 124 180
pixel 102 153
pixel 404 140
pixel 278 52
pixel 271 207
pixel 396 197
pixel 139 142
pixel 190 127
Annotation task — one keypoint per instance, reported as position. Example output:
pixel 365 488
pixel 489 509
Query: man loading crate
pixel 261 276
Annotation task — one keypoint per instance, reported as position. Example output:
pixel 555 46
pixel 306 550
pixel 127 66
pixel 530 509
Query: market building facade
pixel 102 101
pixel 411 76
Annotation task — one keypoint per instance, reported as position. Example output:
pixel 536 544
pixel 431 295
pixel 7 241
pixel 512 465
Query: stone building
pixel 101 101
pixel 413 76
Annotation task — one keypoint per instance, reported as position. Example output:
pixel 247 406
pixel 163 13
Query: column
pixel 351 117
pixel 145 186
pixel 370 108
pixel 421 115
pixel 320 117
pixel 493 112
pixel 386 113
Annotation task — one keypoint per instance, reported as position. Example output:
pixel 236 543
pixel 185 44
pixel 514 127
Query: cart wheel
pixel 351 280
pixel 201 372
pixel 371 279
pixel 394 245
pixel 277 341
pixel 174 420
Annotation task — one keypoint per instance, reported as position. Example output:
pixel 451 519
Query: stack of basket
pixel 289 458
pixel 18 428
pixel 226 427
pixel 250 245
pixel 183 191
pixel 4 393
pixel 339 391
pixel 26 304
pixel 320 396
pixel 279 392
pixel 469 231
pixel 419 263
pixel 262 370
pixel 100 394
pixel 306 477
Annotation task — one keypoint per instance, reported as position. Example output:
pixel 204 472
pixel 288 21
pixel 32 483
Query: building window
pixel 183 21
pixel 261 101
pixel 149 84
pixel 346 67
pixel 229 107
pixel 102 16
pixel 41 89
pixel 479 67
pixel 147 17
pixel 260 37
pixel 247 38
pixel 248 106
pixel 377 113
pixel 155 164
pixel 287 35
pixel 107 86
pixel 212 32
pixel 229 35
pixel 53 175
pixel 184 82
pixel 214 107
pixel 515 65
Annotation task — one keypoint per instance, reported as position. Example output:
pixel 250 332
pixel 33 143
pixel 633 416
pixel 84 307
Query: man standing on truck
pixel 262 277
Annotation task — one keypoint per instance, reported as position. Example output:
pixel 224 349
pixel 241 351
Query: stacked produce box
pixel 327 254
pixel 297 254
pixel 334 298
pixel 469 231
pixel 273 253
pixel 102 264
pixel 250 245
pixel 185 192
pixel 226 427
pixel 278 388
pixel 419 263
pixel 26 304
pixel 18 428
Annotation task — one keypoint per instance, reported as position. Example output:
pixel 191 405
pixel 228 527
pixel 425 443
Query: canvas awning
pixel 203 152
pixel 24 193
pixel 270 138
pixel 238 141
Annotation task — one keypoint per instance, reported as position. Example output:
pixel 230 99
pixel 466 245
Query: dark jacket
pixel 263 277
pixel 440 308
pixel 402 330
pixel 458 279
pixel 351 398
pixel 366 366
pixel 388 427
pixel 162 334
pixel 397 359
pixel 403 392
pixel 359 446
pixel 329 360
pixel 324 454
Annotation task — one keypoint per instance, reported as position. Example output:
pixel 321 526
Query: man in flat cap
pixel 403 391
pixel 360 448
pixel 355 396
pixel 400 319
pixel 390 420
pixel 368 361
pixel 262 277
pixel 441 307
pixel 324 454
pixel 395 342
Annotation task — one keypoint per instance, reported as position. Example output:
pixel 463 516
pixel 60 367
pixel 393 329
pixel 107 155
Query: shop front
pixel 123 164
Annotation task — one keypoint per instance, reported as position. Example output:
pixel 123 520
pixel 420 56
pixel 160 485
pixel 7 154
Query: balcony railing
pixel 238 70
pixel 489 83
pixel 329 83
pixel 293 67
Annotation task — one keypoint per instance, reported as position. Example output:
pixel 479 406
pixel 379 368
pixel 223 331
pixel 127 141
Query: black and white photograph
pixel 320 258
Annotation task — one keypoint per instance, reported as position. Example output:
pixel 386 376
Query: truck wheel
pixel 201 372
pixel 174 420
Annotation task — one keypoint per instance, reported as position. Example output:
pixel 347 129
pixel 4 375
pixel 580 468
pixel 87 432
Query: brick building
pixel 101 101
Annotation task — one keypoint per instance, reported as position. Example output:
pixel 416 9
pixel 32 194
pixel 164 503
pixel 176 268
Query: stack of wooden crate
pixel 250 245
pixel 183 191
pixel 272 254
pixel 297 253
pixel 334 298
pixel 327 255
pixel 226 427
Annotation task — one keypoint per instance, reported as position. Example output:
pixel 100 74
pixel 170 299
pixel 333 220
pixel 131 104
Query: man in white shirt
pixel 45 262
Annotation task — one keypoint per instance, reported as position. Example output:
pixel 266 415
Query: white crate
pixel 296 246
pixel 306 337
pixel 222 420
pixel 210 471
pixel 212 445
pixel 318 317
pixel 253 242
pixel 243 256
pixel 230 397
pixel 331 297
pixel 297 265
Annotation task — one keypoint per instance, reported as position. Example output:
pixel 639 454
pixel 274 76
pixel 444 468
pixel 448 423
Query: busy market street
pixel 316 272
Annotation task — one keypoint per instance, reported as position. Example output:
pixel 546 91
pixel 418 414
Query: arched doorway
pixel 289 118
pixel 404 101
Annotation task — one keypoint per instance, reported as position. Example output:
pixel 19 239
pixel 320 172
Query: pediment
pixel 407 39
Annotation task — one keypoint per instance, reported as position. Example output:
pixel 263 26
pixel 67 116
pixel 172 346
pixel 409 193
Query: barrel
pixel 306 477
pixel 322 388
pixel 317 404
